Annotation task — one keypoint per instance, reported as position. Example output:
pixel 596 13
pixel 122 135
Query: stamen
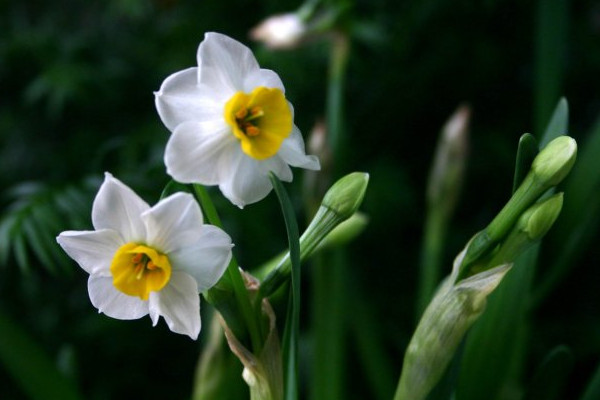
pixel 255 112
pixel 241 113
pixel 252 130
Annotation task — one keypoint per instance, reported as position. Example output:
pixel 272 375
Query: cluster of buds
pixel 480 267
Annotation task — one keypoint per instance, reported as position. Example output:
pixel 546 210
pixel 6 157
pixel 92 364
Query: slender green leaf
pixel 291 355
pixel 173 187
pixel 551 376
pixel 30 366
pixel 558 125
pixel 528 149
pixel 575 228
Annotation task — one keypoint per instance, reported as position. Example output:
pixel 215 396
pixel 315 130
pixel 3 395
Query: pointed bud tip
pixel 347 194
pixel 555 161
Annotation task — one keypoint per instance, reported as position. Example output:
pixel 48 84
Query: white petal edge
pixel 193 151
pixel 110 301
pixel 179 304
pixel 173 222
pixel 276 165
pixel 180 99
pixel 292 152
pixel 224 63
pixel 92 250
pixel 117 207
pixel 207 259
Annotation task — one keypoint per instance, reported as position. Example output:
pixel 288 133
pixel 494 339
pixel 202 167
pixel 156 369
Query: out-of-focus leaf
pixel 30 366
pixel 558 125
pixel 592 391
pixel 551 376
pixel 35 215
pixel 575 228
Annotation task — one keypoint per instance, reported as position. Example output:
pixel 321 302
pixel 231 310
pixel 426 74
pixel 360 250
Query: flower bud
pixel 346 195
pixel 555 161
pixel 453 310
pixel 283 31
pixel 448 166
pixel 339 204
pixel 538 219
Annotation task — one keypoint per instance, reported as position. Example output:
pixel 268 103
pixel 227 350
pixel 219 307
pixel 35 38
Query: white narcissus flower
pixel 231 123
pixel 148 260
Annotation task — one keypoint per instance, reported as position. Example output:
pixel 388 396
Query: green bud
pixel 346 195
pixel 533 224
pixel 555 161
pixel 453 310
pixel 548 169
pixel 539 218
pixel 339 204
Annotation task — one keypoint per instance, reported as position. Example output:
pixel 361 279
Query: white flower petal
pixel 193 151
pixel 278 166
pixel 174 222
pixel 262 77
pixel 292 152
pixel 245 182
pixel 92 250
pixel 117 207
pixel 179 304
pixel 110 301
pixel 224 63
pixel 180 98
pixel 205 260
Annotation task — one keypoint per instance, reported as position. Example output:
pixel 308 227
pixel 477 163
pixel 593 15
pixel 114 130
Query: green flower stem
pixel 329 268
pixel 320 227
pixel 431 252
pixel 239 288
pixel 339 204
pixel 293 324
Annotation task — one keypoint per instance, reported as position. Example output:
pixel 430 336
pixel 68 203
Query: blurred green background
pixel 77 81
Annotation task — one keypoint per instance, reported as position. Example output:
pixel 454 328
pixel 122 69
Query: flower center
pixel 261 120
pixel 138 270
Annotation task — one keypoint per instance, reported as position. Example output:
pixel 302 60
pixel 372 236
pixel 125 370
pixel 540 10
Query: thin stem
pixel 239 288
pixel 431 253
pixel 291 387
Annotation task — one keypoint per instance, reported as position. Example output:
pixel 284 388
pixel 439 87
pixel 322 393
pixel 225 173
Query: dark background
pixel 77 81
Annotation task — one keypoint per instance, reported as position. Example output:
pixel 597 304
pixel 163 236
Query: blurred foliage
pixel 77 80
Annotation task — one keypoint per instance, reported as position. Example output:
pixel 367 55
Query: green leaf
pixel 592 391
pixel 290 352
pixel 30 366
pixel 528 149
pixel 173 187
pixel 558 125
pixel 581 212
pixel 551 376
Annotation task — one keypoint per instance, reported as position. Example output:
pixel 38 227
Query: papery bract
pixel 148 260
pixel 231 124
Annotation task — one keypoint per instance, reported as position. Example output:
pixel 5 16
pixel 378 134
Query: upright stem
pixel 431 254
pixel 328 271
